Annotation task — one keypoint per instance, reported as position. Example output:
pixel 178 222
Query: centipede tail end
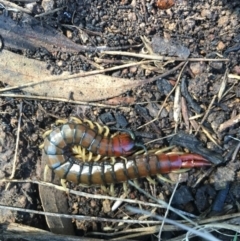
pixel 194 160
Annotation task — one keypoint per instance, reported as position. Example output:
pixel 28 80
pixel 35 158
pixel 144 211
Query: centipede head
pixel 125 144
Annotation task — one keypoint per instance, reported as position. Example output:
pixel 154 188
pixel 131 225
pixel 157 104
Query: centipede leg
pixel 102 128
pixel 46 169
pixel 46 133
pixel 181 170
pixel 104 189
pixel 125 187
pixel 112 190
pixel 63 183
pixel 75 120
pixel 107 131
pixel 159 176
pixel 90 123
pixel 60 122
pixel 151 181
pixel 97 158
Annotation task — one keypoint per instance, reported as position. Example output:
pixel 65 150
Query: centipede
pixel 77 136
pixel 122 170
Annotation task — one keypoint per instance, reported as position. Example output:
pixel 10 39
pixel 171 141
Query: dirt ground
pixel 204 120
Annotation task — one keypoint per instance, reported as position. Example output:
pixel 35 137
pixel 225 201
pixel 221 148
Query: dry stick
pixel 169 205
pixel 79 217
pixel 62 100
pixel 157 57
pixel 17 144
pixel 164 102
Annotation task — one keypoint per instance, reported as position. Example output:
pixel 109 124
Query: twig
pixel 62 100
pixel 17 144
pixel 157 57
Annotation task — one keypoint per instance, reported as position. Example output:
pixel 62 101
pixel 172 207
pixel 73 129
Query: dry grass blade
pixel 16 148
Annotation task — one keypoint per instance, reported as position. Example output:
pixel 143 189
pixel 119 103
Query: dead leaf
pixel 18 70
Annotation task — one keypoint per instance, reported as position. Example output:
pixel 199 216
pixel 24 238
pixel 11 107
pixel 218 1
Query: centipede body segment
pixel 62 138
pixel 102 173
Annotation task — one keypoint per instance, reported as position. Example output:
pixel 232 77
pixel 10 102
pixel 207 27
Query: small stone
pixel 220 46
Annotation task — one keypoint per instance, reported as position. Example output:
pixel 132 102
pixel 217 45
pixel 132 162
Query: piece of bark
pixel 17 232
pixel 54 201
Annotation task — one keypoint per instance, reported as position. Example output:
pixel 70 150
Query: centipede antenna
pixel 142 146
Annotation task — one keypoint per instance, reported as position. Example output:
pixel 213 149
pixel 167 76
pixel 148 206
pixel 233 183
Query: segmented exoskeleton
pixel 132 167
pixel 77 137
